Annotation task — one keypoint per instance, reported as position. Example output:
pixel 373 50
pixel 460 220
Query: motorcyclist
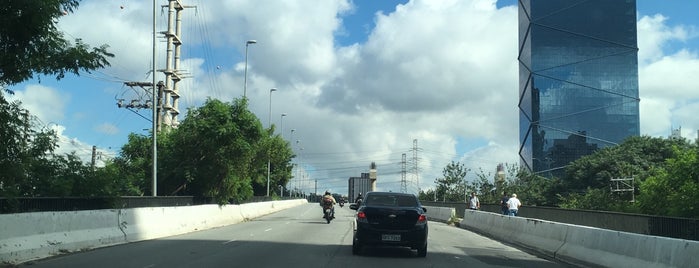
pixel 328 204
pixel 359 199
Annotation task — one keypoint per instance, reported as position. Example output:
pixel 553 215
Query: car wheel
pixel 422 251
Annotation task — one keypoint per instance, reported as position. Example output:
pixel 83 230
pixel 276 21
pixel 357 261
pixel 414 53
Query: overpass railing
pixel 683 228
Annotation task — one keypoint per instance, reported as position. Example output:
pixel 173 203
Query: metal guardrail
pixel 673 227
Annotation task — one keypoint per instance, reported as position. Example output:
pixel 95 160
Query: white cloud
pixel 667 86
pixel 653 36
pixel 435 71
pixel 46 103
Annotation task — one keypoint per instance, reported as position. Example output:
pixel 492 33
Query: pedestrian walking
pixel 513 205
pixel 503 204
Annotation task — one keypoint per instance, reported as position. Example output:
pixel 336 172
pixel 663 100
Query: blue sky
pixel 358 80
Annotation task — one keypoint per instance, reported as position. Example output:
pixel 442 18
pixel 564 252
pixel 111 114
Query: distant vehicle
pixel 390 219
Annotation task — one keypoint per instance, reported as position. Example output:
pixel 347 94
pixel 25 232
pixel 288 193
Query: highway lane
pixel 298 237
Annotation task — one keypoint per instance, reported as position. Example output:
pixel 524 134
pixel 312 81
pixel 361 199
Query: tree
pixel 132 168
pixel 21 149
pixel 451 186
pixel 486 190
pixel 30 167
pixel 634 157
pixel 31 42
pixel 588 179
pixel 429 195
pixel 532 189
pixel 673 190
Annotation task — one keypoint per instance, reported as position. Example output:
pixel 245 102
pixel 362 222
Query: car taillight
pixel 421 219
pixel 361 217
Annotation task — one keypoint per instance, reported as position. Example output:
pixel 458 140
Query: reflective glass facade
pixel 578 79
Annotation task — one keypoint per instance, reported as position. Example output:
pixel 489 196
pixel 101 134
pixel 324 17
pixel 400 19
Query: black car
pixel 390 219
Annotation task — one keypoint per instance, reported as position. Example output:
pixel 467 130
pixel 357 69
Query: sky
pixel 360 81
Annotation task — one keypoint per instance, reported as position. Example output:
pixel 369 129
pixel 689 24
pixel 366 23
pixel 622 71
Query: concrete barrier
pixel 442 214
pixel 29 236
pixel 583 245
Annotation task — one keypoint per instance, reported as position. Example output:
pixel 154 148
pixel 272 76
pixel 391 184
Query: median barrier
pixel 583 245
pixel 610 248
pixel 442 214
pixel 29 236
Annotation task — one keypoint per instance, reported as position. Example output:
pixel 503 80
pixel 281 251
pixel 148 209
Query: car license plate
pixel 390 237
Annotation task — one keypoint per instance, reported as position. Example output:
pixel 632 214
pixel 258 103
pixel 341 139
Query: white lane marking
pixel 270 229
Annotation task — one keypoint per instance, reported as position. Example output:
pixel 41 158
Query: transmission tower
pixel 173 74
pixel 403 171
pixel 415 168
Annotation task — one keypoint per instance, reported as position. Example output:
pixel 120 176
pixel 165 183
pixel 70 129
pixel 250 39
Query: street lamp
pixel 281 124
pixel 245 86
pixel 269 125
pixel 296 183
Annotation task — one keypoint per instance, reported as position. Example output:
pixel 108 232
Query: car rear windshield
pixel 391 200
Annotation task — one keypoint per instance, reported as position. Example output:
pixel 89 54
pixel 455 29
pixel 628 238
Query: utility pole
pixel 94 157
pixel 25 119
pixel 154 130
pixel 172 71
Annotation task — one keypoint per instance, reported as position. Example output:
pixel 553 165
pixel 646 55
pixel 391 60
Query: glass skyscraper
pixel 578 79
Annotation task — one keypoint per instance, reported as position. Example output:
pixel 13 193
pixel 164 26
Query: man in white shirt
pixel 473 202
pixel 513 205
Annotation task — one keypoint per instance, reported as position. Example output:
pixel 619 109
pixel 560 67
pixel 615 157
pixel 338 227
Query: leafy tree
pixel 30 166
pixel 597 199
pixel 588 179
pixel 214 151
pixel 31 42
pixel 634 157
pixel 429 195
pixel 451 186
pixel 132 169
pixel 673 190
pixel 531 188
pixel 21 149
pixel 484 188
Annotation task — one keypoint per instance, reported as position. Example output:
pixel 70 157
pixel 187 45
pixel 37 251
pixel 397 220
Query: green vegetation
pixel 32 44
pixel 219 153
pixel 665 176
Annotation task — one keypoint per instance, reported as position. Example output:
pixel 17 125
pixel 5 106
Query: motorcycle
pixel 342 203
pixel 328 214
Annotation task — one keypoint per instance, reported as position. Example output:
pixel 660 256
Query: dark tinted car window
pixel 406 201
pixel 391 201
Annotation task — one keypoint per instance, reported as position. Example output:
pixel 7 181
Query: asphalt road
pixel 299 237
